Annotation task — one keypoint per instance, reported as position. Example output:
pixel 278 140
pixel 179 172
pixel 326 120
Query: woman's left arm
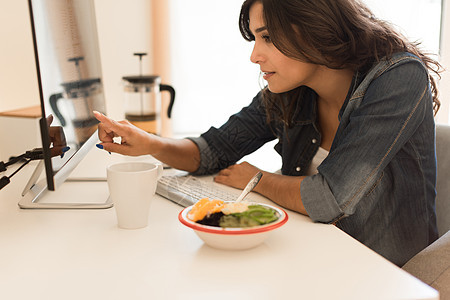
pixel 391 119
pixel 281 189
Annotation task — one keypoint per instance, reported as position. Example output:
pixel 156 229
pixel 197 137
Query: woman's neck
pixel 332 86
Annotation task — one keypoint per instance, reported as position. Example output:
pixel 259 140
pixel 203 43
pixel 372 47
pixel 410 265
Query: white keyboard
pixel 186 190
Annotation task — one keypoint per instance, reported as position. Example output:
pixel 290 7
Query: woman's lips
pixel 267 75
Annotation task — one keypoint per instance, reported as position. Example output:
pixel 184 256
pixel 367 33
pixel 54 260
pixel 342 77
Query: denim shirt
pixel 378 182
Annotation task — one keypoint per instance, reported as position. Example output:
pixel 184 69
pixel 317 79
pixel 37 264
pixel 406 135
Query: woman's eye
pixel 266 38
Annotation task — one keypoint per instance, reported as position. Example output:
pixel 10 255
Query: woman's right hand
pixel 134 141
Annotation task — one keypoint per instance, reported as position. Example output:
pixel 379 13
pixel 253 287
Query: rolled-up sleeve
pixel 318 199
pixel 208 160
pixel 375 125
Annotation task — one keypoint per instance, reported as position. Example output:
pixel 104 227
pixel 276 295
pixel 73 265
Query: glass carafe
pixel 143 101
pixel 76 103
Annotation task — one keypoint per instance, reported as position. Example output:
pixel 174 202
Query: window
pixel 211 68
pixel 418 20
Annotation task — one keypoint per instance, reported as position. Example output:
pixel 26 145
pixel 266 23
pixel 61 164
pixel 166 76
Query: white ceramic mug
pixel 132 187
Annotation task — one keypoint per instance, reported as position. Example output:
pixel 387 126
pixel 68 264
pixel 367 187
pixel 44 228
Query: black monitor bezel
pixel 43 121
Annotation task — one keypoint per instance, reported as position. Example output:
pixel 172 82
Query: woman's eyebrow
pixel 257 30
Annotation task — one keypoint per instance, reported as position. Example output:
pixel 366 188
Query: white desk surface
pixel 82 254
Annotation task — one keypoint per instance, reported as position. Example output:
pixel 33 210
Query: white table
pixel 82 254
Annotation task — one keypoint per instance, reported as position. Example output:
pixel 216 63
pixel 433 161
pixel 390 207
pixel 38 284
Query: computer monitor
pixel 71 87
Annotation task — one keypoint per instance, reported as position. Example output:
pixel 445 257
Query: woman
pixel 351 103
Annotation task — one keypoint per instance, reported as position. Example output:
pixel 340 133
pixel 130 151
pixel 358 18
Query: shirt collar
pixel 306 110
pixel 357 78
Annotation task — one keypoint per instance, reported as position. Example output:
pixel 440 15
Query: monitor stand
pixel 36 194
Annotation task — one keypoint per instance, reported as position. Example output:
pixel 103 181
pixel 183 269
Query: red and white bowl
pixel 234 238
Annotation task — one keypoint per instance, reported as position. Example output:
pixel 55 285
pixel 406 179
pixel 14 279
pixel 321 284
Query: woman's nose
pixel 256 56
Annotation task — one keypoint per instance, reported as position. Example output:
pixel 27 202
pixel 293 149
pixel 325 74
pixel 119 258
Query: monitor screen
pixel 70 83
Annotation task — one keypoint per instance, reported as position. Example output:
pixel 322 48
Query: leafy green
pixel 255 215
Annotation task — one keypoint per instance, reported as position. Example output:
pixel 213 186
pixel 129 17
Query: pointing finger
pixel 110 126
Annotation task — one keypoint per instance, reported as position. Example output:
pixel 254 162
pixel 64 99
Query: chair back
pixel 443 178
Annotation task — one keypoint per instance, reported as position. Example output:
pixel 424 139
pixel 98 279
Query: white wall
pixel 18 83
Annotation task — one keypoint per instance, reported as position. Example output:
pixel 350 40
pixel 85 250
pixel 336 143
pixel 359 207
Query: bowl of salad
pixel 232 225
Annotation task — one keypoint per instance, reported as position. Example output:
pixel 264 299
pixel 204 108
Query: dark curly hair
pixel 337 34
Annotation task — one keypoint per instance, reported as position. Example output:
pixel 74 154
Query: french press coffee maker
pixel 76 103
pixel 143 100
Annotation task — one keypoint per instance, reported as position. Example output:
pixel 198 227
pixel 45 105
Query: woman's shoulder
pixel 401 66
pixel 402 56
pixel 401 74
pixel 401 61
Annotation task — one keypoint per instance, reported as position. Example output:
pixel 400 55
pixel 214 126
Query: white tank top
pixel 316 161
